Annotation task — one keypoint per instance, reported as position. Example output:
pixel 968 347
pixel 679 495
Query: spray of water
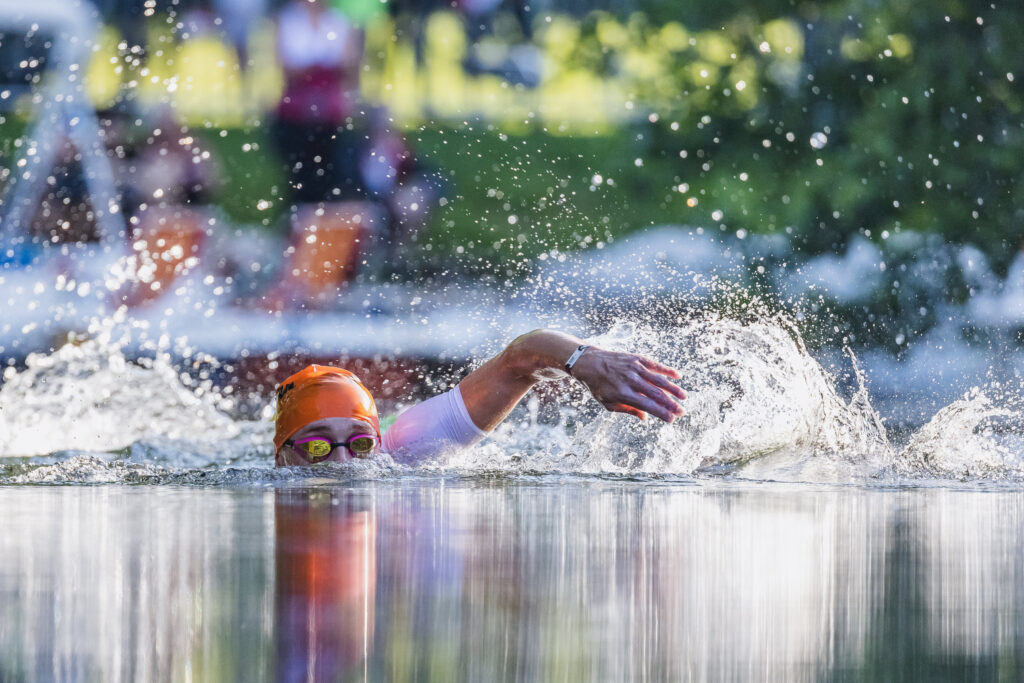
pixel 970 438
pixel 760 407
pixel 89 397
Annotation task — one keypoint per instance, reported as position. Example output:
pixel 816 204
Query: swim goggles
pixel 317 448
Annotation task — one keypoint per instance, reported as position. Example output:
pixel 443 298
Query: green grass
pixel 505 195
pixel 524 194
pixel 253 183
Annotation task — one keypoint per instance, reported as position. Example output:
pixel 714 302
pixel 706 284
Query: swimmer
pixel 325 414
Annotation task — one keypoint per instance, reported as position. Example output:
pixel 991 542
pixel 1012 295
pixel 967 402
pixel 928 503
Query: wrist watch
pixel 575 357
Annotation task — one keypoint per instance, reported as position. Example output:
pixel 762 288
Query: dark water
pixel 546 579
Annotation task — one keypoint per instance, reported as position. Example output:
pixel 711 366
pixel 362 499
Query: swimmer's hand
pixel 630 383
pixel 623 382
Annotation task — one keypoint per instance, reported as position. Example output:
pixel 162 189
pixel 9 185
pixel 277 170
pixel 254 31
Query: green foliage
pixel 853 117
pixel 516 196
pixel 926 118
pixel 255 183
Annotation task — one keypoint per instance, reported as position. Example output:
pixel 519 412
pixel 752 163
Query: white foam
pixel 760 407
pixel 88 397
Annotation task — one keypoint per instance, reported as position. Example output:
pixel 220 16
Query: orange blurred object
pixel 166 244
pixel 326 566
pixel 324 255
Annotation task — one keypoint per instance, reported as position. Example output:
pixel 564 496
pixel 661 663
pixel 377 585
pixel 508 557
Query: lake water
pixel 526 579
pixel 780 531
pixel 802 523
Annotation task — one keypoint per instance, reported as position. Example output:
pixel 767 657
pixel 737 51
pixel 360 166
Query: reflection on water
pixel 325 584
pixel 441 580
pixel 132 584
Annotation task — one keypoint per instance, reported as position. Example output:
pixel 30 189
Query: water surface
pixel 781 530
pixel 527 579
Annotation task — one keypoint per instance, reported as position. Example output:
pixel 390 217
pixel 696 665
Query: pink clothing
pixel 319 53
pixel 438 425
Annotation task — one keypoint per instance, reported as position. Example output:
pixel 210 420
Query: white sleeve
pixel 428 429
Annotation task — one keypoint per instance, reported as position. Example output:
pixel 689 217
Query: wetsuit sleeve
pixel 435 426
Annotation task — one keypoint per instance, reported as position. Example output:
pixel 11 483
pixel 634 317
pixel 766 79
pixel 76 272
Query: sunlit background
pixel 811 209
pixel 853 160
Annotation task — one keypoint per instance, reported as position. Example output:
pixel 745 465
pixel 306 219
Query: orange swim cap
pixel 317 392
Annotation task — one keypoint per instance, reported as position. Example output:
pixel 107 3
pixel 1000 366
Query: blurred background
pixel 244 174
pixel 199 197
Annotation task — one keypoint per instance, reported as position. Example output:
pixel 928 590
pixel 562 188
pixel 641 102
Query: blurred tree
pixel 854 117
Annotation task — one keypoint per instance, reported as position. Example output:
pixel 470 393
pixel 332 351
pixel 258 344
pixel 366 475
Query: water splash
pixel 90 468
pixel 760 407
pixel 968 439
pixel 758 402
pixel 88 396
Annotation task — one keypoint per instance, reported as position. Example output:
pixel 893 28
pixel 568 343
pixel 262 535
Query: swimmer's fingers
pixel 655 366
pixel 662 382
pixel 623 408
pixel 659 405
pixel 661 391
pixel 631 384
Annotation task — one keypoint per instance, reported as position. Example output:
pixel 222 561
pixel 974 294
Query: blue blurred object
pixel 20 255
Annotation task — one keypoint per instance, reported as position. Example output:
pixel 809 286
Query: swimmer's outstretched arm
pixel 622 382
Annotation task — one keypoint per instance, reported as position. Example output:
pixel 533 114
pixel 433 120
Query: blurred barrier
pixel 61 115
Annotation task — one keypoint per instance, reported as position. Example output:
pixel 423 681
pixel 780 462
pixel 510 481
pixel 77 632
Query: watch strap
pixel 575 357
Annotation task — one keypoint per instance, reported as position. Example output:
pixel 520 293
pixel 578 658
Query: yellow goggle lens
pixel 317 448
pixel 362 445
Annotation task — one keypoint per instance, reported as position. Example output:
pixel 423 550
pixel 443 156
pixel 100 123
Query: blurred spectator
pixel 316 127
pixel 393 177
pixel 119 130
pixel 237 19
pixel 207 70
pixel 130 16
pixel 319 134
pixel 172 169
pixel 65 212
pixel 517 63
pixel 172 179
pixel 410 16
pixel 479 16
pixel 513 56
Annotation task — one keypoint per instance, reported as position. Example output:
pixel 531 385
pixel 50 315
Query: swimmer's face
pixel 334 430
